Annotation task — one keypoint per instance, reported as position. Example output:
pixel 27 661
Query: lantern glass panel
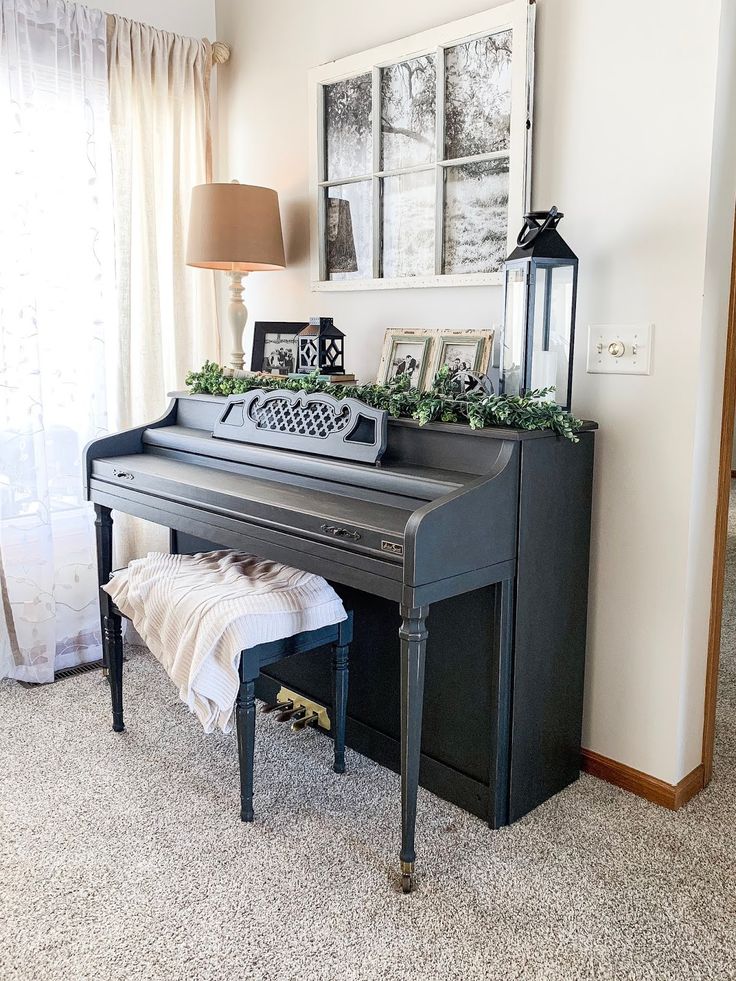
pixel 514 337
pixel 553 310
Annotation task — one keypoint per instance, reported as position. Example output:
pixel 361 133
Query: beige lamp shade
pixel 235 227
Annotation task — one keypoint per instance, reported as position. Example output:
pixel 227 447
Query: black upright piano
pixel 465 551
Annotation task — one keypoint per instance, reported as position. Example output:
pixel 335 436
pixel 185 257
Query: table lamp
pixel 237 228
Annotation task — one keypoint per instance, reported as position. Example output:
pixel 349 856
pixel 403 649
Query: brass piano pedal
pixel 276 706
pixel 309 710
pixel 305 722
pixel 293 713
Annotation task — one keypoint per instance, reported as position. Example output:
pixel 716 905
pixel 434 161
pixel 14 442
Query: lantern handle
pixel 532 227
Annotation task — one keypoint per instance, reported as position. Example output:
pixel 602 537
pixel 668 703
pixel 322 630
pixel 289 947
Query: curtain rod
pixel 220 52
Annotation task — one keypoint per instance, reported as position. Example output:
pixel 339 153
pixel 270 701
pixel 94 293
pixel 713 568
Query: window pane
pixel 478 96
pixel 476 203
pixel 408 225
pixel 348 127
pixel 348 224
pixel 552 329
pixel 514 331
pixel 408 96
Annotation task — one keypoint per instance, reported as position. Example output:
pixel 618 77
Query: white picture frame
pixel 409 351
pixel 462 350
pixel 516 16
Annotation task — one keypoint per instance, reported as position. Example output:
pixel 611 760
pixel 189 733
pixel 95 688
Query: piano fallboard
pixel 358 525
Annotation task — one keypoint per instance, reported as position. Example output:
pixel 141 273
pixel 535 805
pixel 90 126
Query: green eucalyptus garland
pixel 444 402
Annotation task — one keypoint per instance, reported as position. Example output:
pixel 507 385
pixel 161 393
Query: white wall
pixel 623 144
pixel 195 18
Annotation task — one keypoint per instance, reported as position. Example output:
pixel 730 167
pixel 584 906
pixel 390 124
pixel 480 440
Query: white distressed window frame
pixel 517 15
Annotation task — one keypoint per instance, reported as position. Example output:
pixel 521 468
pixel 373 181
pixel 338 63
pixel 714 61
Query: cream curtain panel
pixel 167 316
pixel 101 119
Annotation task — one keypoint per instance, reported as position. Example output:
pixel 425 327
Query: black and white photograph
pixel 476 216
pixel 408 100
pixel 275 347
pixel 406 353
pixel 406 360
pixel 438 184
pixel 279 354
pixel 459 357
pixel 348 115
pixel 478 96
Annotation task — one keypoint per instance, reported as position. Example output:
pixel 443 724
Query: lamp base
pixel 237 315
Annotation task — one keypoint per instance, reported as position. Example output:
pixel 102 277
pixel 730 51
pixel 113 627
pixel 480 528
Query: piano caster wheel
pixel 407 877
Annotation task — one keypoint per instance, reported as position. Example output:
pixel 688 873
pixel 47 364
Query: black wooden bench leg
pixel 413 635
pixel 340 701
pixel 245 717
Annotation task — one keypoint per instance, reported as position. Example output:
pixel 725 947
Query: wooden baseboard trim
pixel 672 796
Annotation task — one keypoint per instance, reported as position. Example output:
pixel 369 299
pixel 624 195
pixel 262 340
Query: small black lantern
pixel 320 347
pixel 540 291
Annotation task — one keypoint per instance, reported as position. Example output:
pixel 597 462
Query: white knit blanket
pixel 196 613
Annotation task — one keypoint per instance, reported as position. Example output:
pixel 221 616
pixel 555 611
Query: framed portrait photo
pixel 275 346
pixel 462 350
pixel 405 352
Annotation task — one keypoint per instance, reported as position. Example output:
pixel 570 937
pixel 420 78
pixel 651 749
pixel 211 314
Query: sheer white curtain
pixel 81 147
pixel 160 119
pixel 56 311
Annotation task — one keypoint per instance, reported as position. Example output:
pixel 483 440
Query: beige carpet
pixel 122 857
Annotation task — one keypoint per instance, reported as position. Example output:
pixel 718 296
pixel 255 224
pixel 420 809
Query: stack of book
pixel 332 379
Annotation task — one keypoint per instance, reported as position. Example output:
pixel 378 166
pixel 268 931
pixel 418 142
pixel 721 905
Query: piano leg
pixel 245 718
pixel 110 624
pixel 340 701
pixel 413 636
pixel 103 535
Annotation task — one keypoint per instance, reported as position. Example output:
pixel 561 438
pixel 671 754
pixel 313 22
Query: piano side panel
pixel 551 618
pixel 470 529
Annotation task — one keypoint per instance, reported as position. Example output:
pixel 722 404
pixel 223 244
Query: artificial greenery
pixel 444 402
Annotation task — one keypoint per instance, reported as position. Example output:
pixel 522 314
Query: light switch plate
pixel 620 350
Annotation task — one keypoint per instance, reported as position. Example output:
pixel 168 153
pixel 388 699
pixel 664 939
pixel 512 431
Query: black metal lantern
pixel 540 291
pixel 320 347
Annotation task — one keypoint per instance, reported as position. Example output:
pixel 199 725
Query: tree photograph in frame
pixel 462 350
pixel 427 140
pixel 405 353
pixel 275 347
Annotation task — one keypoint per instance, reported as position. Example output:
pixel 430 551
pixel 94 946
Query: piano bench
pixel 338 636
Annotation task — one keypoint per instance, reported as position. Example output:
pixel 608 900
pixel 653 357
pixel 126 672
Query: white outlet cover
pixel 637 340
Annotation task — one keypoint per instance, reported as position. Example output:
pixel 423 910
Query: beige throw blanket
pixel 197 613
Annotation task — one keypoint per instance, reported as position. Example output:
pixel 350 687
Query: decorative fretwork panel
pixel 280 415
pixel 316 423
